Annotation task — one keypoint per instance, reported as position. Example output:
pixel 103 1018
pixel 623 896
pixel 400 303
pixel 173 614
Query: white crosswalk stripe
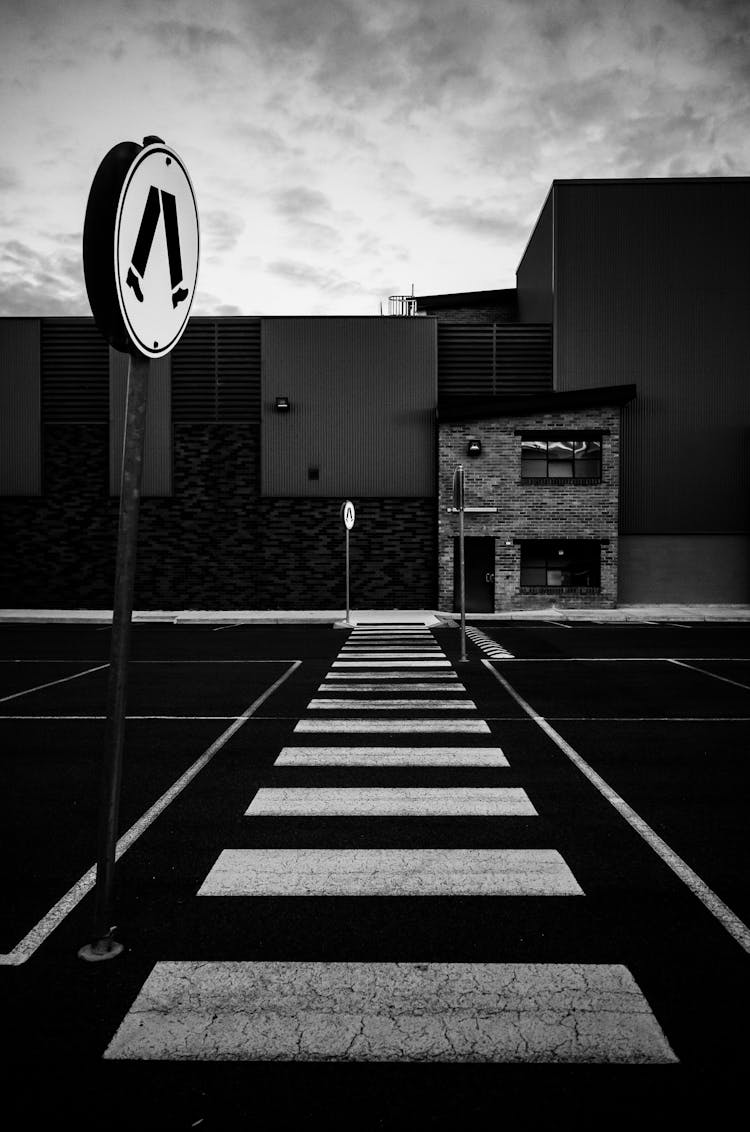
pixel 389 1012
pixel 391 756
pixel 392 705
pixel 347 801
pixel 390 872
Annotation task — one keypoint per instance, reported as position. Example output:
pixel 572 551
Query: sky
pixel 342 151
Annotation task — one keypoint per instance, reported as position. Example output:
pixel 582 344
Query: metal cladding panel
pixel 496 359
pixel 74 371
pixel 20 422
pixel 157 446
pixel 216 371
pixel 534 276
pixel 362 394
pixel 652 288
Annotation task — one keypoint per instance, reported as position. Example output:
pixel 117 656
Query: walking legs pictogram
pixel 157 201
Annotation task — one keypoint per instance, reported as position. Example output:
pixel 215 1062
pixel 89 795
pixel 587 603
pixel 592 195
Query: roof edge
pixel 482 408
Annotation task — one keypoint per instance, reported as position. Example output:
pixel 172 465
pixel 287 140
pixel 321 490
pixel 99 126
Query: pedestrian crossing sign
pixel 156 250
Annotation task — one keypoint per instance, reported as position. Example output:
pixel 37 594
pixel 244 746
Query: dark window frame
pixel 571 437
pixel 588 566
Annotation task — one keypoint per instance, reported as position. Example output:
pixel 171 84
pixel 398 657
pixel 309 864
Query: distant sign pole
pixel 347 514
pixel 458 502
pixel 141 304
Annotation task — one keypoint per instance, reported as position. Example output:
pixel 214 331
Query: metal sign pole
pixel 347 576
pixel 459 501
pixel 103 945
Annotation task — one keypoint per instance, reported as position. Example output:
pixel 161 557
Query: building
pixel 600 410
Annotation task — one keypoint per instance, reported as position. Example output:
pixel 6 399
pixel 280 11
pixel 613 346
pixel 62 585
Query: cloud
pixel 299 201
pixel 9 178
pixel 476 219
pixel 305 275
pixel 185 39
pixel 36 283
pixel 308 214
pixel 419 53
pixel 220 231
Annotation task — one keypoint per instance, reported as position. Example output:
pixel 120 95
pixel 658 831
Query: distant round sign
pixel 140 247
pixel 347 514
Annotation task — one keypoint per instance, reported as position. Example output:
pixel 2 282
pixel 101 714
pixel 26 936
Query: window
pixel 561 563
pixel 561 457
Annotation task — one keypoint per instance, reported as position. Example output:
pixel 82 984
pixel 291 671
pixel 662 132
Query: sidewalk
pixel 373 616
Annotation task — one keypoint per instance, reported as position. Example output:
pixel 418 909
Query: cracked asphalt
pixel 669 738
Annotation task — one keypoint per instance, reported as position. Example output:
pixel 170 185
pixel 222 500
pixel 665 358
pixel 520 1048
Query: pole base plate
pixel 106 948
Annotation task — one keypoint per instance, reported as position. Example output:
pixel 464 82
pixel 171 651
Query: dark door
pixel 479 569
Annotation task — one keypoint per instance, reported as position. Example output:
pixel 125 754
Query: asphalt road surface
pixel 364 882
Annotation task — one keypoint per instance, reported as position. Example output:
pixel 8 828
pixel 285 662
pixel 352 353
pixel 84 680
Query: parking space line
pixel 705 672
pixel 33 939
pixel 51 683
pixel 721 911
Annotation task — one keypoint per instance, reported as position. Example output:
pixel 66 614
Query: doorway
pixel 479 566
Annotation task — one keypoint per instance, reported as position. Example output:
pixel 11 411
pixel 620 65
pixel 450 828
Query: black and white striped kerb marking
pixel 487 645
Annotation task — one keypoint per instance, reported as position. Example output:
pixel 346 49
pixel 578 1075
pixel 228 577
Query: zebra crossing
pixel 398 686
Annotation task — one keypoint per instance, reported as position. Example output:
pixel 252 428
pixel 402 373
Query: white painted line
pixel 220 628
pixel 397 801
pixel 29 944
pixel 393 705
pixel 391 756
pixel 726 917
pixel 617 659
pixel 392 726
pixel 400 634
pixel 566 1013
pixel 368 654
pixel 390 872
pixel 394 686
pixel 363 663
pixel 51 683
pixel 392 675
pixel 705 672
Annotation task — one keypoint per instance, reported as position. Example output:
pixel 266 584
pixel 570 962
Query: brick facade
pixel 563 509
pixel 215 543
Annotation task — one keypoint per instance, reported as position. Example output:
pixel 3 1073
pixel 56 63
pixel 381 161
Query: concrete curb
pixel 336 617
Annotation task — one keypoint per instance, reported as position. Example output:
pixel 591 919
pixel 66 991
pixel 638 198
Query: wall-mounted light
pixel 282 404
pixel 474 448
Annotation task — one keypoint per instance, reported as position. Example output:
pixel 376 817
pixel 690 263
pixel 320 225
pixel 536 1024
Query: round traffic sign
pixel 140 247
pixel 347 514
pixel 156 250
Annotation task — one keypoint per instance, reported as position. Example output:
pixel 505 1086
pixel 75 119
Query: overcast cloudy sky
pixel 343 150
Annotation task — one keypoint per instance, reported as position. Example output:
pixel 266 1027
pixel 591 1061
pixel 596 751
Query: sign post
pixel 143 313
pixel 458 502
pixel 347 514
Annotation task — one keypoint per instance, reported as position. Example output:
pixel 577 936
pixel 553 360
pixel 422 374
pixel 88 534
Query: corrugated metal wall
pixel 652 287
pixel 534 276
pixel 75 368
pixel 157 445
pixel 363 393
pixel 216 371
pixel 20 421
pixel 498 359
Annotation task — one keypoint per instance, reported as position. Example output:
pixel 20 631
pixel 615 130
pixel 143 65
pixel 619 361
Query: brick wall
pixel 215 543
pixel 526 510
